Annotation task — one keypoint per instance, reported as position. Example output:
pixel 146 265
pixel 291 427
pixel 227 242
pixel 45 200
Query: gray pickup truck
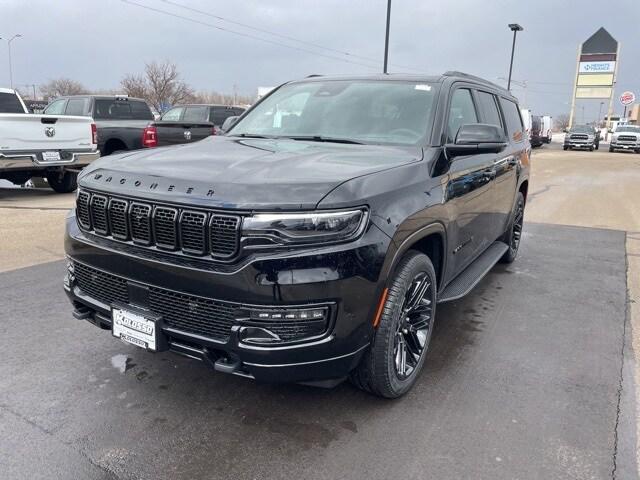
pixel 189 123
pixel 122 121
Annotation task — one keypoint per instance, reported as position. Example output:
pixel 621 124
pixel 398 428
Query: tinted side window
pixel 9 103
pixel 56 108
pixel 173 115
pixel 195 114
pixel 513 119
pixel 461 112
pixel 77 106
pixel 112 110
pixel 220 114
pixel 489 108
pixel 140 110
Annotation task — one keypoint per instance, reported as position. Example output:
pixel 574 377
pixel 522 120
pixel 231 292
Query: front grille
pixel 193 232
pixel 188 313
pixel 579 136
pixel 206 317
pixel 626 138
pixel 102 286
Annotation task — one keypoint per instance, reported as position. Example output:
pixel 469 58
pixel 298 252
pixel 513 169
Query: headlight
pixel 284 229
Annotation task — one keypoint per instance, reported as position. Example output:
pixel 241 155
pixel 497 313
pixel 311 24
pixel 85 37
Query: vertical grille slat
pixel 191 232
pixel 82 209
pixel 165 227
pixel 98 208
pixel 118 218
pixel 140 221
pixel 224 235
pixel 193 236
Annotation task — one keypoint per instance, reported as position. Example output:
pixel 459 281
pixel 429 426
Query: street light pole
pixel 17 35
pixel 386 38
pixel 515 28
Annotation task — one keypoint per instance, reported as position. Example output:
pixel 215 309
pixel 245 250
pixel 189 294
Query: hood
pixel 236 173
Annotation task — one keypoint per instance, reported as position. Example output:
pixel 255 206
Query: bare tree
pixel 62 86
pixel 160 85
pixel 561 122
pixel 135 86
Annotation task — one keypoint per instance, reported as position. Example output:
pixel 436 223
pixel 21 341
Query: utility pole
pixel 600 114
pixel 515 28
pixel 386 38
pixel 17 35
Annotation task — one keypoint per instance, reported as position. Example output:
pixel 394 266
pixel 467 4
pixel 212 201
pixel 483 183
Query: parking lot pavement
pixel 522 382
pixel 31 226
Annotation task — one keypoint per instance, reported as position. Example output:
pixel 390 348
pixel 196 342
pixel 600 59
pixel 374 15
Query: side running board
pixel 471 276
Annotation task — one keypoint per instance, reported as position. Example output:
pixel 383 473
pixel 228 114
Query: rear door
pixel 469 188
pixel 516 154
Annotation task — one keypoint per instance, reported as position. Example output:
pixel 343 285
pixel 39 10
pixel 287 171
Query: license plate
pixel 50 156
pixel 625 146
pixel 133 328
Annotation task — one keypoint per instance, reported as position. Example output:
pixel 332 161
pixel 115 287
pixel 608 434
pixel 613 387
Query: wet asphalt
pixel 522 381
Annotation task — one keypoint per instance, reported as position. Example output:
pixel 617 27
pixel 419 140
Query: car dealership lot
pixel 523 379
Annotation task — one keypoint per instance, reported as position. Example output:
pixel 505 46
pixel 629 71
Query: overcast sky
pixel 98 42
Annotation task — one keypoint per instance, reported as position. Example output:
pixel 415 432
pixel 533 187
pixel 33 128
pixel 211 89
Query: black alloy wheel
pixel 513 235
pixel 392 364
pixel 413 329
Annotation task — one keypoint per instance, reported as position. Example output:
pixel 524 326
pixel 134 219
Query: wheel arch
pixel 430 240
pixel 114 141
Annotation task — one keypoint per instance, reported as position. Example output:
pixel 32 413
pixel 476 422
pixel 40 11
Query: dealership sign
pixel 627 98
pixel 597 67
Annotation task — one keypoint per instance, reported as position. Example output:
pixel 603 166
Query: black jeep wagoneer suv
pixel 313 241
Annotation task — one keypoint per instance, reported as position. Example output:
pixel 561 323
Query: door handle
pixel 489 174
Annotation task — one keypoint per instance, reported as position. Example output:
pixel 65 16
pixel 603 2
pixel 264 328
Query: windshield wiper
pixel 249 135
pixel 318 138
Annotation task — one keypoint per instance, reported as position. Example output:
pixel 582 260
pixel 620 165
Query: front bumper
pixel 34 160
pixel 579 144
pixel 625 145
pixel 342 277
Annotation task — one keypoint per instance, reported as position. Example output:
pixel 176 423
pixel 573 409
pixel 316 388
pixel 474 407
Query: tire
pixel 513 235
pixel 564 147
pixel 591 148
pixel 610 149
pixel 380 371
pixel 63 183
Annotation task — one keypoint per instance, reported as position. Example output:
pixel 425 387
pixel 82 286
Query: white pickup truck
pixel 51 146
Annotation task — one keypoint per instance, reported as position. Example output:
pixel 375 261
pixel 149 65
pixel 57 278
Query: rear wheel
pixel 513 235
pixel 393 362
pixel 64 182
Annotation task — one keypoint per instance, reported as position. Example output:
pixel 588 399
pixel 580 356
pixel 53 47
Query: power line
pixel 247 35
pixel 280 35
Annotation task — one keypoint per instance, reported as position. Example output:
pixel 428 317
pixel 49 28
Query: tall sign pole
pixel 575 87
pixel 596 71
pixel 615 77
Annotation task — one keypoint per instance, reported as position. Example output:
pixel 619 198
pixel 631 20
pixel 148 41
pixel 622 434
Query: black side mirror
pixel 229 123
pixel 475 138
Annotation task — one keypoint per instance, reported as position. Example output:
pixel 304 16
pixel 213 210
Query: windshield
pixel 582 129
pixel 628 129
pixel 361 111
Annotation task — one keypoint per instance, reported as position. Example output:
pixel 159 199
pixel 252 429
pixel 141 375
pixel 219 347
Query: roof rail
pixel 455 73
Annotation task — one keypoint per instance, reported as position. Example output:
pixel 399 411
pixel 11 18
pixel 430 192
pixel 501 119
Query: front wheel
pixel 513 235
pixel 610 149
pixel 565 147
pixel 64 182
pixel 393 362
